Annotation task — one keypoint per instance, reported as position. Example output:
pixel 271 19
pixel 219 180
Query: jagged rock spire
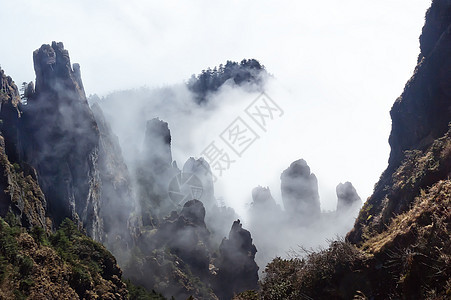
pixel 238 271
pixel 61 140
pixel 300 191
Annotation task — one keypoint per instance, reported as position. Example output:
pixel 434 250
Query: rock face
pixel 300 192
pixel 194 212
pixel 20 193
pixel 60 162
pixel 116 199
pixel 347 197
pixel 218 217
pixel 10 114
pixel 268 225
pixel 36 269
pixel 55 140
pixel 264 212
pixel 422 113
pixel 262 198
pixel 437 22
pixel 188 237
pixel 154 173
pixel 177 255
pixel 61 140
pixel 400 246
pixel 238 271
pixel 157 145
pixel 420 118
pixel 201 169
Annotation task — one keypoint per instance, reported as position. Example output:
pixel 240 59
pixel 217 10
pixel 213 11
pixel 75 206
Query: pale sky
pixel 339 66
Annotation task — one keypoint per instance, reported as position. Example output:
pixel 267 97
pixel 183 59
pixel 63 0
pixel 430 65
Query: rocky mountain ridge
pixel 399 247
pixel 63 172
pixel 63 163
pixel 420 116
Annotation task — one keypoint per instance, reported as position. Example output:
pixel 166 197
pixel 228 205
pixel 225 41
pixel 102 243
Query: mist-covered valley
pixel 258 165
pixel 198 112
pixel 107 165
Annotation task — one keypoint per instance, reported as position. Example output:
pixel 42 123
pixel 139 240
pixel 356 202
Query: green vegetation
pixel 248 70
pixel 39 236
pixel 66 258
pixel 247 295
pixel 12 262
pixel 136 292
pixel 16 167
pixel 87 258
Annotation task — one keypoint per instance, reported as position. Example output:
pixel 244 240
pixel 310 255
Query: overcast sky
pixel 339 67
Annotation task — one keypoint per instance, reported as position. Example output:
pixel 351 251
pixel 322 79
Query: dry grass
pixel 410 259
pixel 429 210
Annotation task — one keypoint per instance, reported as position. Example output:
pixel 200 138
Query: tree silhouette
pixel 208 81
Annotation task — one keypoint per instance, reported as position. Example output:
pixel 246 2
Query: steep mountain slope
pixel 400 246
pixel 66 150
pixel 20 192
pixel 64 265
pixel 116 196
pixel 60 138
pixel 420 116
pixel 35 261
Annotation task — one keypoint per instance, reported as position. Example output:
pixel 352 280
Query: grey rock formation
pixel 116 199
pixel 61 140
pixel 154 173
pixel 10 114
pixel 267 222
pixel 188 237
pixel 262 198
pixel 185 241
pixel 264 211
pixel 218 217
pixel 157 145
pixel 20 193
pixel 201 169
pixel 420 116
pixel 300 192
pixel 238 271
pixel 347 197
pixel 422 113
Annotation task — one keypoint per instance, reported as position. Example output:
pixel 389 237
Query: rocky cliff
pixel 116 198
pixel 65 181
pixel 400 246
pixel 218 216
pixel 420 117
pixel 201 169
pixel 51 170
pixel 238 271
pixel 175 258
pixel 60 139
pixel 20 193
pixel 154 172
pixel 421 114
pixel 10 114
